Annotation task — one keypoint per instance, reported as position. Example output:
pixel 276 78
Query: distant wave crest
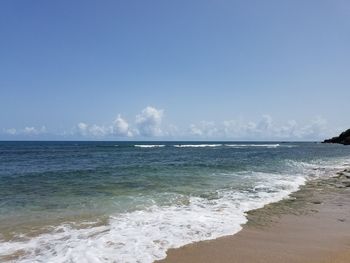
pixel 196 145
pixel 253 145
pixel 149 145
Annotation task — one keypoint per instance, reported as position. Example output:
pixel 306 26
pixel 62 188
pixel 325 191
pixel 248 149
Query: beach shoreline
pixel 312 225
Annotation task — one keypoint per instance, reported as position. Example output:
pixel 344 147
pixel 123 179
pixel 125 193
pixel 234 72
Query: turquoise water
pixel 131 201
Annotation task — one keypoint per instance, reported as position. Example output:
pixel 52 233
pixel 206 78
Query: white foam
pixel 197 145
pixel 320 169
pixel 149 145
pixel 145 236
pixel 253 145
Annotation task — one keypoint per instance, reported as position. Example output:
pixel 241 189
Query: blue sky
pixel 240 70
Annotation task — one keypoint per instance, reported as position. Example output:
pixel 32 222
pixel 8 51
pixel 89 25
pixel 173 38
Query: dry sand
pixel 312 226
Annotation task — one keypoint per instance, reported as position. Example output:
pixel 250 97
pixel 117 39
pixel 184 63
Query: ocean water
pixel 132 201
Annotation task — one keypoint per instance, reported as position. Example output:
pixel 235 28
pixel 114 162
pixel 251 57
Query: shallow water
pixel 131 201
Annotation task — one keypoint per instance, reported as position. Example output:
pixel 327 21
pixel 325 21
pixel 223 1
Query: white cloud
pixel 92 130
pixel 195 130
pixel 11 131
pixel 29 131
pixel 34 131
pixel 237 129
pixel 317 128
pixel 204 129
pixel 149 121
pixel 147 124
pixel 82 128
pixel 264 129
pixel 98 131
pixel 172 131
pixel 289 130
pixel 121 127
pixel 265 124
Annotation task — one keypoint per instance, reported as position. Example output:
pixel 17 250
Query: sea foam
pixel 196 145
pixel 145 235
pixel 253 145
pixel 149 145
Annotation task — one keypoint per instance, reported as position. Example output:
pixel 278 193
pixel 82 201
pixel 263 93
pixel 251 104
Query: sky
pixel 174 70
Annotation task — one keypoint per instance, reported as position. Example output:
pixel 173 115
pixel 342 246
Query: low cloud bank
pixel 265 129
pixel 29 131
pixel 149 124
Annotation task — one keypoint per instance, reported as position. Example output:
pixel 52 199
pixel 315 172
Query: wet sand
pixel 311 226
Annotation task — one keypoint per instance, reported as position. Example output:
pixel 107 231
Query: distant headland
pixel 343 138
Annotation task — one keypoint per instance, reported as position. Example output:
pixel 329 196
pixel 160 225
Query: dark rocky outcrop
pixel 343 138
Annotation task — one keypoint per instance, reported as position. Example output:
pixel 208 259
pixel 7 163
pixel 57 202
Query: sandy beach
pixel 313 225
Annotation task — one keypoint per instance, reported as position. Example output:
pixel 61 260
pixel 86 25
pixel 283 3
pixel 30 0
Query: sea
pixel 132 201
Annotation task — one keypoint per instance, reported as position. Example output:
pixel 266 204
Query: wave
pixel 317 169
pixel 145 235
pixel 196 145
pixel 149 145
pixel 253 145
pixel 230 145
